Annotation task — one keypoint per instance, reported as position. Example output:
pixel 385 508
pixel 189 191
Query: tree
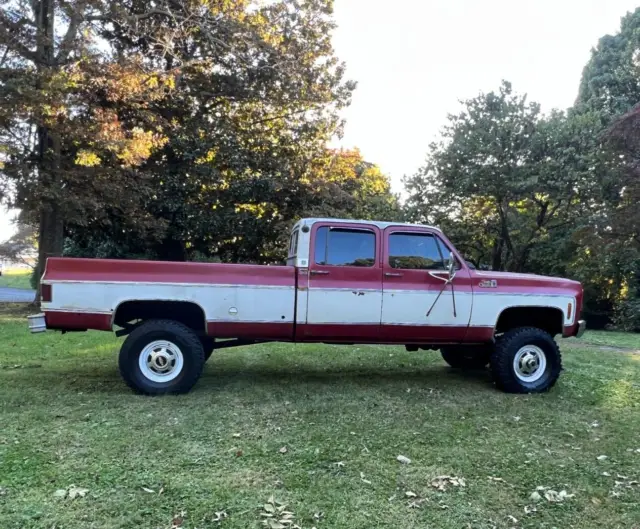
pixel 74 122
pixel 345 185
pixel 495 181
pixel 610 94
pixel 196 121
pixel 20 246
pixel 609 83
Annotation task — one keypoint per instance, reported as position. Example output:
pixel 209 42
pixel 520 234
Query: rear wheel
pixel 526 360
pixel 466 357
pixel 161 356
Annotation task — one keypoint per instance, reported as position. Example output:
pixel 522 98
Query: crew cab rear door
pixel 344 301
pixel 417 304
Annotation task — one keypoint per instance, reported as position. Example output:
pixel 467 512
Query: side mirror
pixel 452 266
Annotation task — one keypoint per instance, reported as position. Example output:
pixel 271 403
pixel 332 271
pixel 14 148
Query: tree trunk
pixel 51 229
pixel 50 239
pixel 496 257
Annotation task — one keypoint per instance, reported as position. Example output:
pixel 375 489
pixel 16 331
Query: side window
pixel 345 247
pixel 293 244
pixel 415 251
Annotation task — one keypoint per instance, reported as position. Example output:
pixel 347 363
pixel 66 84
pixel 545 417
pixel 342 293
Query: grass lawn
pixel 16 279
pixel 317 427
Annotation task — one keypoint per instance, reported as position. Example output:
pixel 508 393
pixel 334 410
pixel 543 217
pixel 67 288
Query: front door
pixel 344 299
pixel 418 305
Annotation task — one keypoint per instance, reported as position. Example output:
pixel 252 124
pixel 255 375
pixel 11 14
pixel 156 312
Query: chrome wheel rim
pixel 161 361
pixel 529 363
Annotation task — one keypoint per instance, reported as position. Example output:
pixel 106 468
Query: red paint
pixel 70 269
pixel 335 332
pixel 479 335
pixel 77 321
pixel 525 284
pixel 394 334
pixel 424 334
pixel 255 331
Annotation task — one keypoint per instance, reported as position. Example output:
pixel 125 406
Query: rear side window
pixel 345 247
pixel 293 244
pixel 415 251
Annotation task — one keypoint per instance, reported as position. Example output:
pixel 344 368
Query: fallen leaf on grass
pixel 72 492
pixel 410 494
pixel 606 474
pixel 602 458
pixel 441 482
pixel 512 518
pixel 363 479
pixel 236 435
pixel 283 450
pixel 557 497
pixel 530 509
pixel 276 515
pixel 403 459
pixel 596 501
pixel 492 478
pixel 150 491
pixel 219 516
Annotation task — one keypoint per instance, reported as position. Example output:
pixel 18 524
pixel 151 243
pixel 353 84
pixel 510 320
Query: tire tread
pixel 194 355
pixel 502 359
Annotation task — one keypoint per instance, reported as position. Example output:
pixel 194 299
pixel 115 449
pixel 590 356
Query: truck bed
pixel 235 299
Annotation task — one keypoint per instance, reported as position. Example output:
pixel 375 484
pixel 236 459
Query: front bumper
pixel 582 326
pixel 37 323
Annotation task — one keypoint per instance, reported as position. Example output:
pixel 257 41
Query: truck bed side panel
pixel 238 300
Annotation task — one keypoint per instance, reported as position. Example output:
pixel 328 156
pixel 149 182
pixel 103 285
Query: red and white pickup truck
pixel 345 282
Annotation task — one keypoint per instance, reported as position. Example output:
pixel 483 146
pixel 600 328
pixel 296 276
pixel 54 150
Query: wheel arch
pixel 549 318
pixel 185 311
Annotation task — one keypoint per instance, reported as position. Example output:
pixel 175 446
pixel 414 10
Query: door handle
pixel 319 272
pixel 392 274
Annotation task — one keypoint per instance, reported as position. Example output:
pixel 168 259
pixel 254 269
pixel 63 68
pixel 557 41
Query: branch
pixel 69 37
pixel 7 27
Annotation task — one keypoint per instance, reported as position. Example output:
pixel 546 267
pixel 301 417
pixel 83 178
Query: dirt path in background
pixel 574 344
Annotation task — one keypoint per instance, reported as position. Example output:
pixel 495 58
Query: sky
pixel 414 59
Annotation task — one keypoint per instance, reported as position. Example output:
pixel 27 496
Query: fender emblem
pixel 488 283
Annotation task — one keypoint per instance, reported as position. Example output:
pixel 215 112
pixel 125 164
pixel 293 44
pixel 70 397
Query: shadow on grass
pixel 220 377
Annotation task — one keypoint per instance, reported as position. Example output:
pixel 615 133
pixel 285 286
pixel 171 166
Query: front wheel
pixel 161 356
pixel 466 357
pixel 526 360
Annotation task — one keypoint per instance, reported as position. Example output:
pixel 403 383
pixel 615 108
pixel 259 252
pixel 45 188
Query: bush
pixel 627 315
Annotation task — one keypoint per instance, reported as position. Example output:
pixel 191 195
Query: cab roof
pixel 380 224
